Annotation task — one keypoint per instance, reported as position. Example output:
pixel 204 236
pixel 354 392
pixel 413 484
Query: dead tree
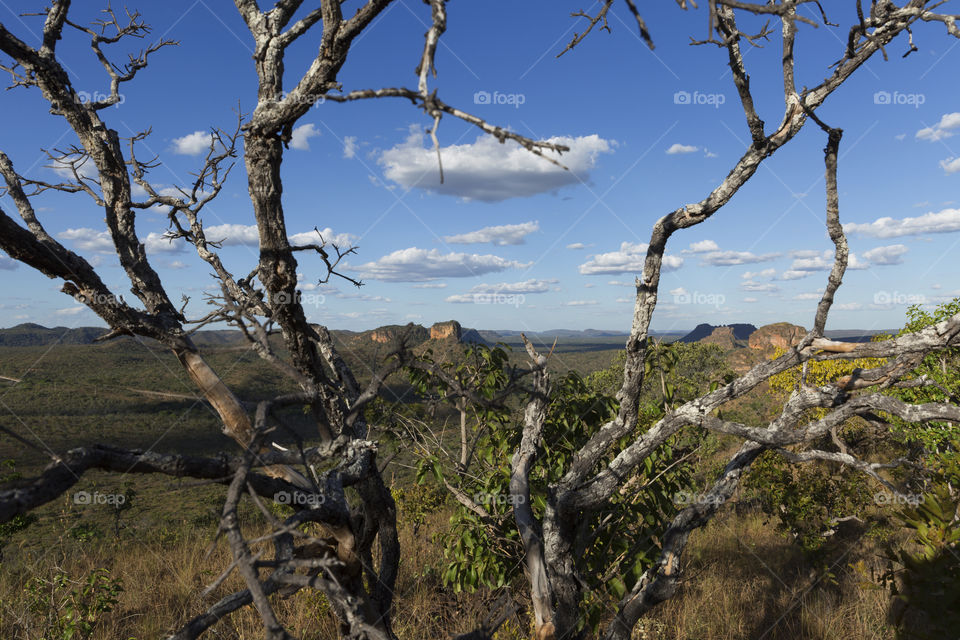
pixel 341 564
pixel 601 467
pixel 255 304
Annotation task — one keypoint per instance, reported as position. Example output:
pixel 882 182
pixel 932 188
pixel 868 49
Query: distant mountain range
pixel 35 335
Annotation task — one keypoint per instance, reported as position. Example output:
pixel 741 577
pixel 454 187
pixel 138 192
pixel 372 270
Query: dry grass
pixel 743 581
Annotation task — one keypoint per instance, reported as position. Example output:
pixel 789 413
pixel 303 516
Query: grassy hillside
pixel 134 394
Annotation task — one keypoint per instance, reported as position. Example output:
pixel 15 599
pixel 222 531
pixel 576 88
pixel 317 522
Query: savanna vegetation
pixel 474 493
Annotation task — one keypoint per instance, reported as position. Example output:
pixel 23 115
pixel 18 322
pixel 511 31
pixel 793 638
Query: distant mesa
pixel 387 334
pixel 725 337
pixel 445 330
pixel 732 331
pixel 449 331
pixel 781 335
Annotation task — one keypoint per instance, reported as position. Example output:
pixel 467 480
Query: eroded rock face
pixel 723 336
pixel 449 329
pixel 782 335
pixel 382 336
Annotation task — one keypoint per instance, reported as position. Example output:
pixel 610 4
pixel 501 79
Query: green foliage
pixel 616 543
pixel 925 581
pixel 673 372
pixel 924 576
pixel 65 609
pixel 804 499
pixel 19 522
pixel 416 502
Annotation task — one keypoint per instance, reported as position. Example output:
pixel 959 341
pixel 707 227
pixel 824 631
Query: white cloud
pixel 703 246
pixel 362 297
pixel 731 258
pixel 621 283
pixel 945 221
pixel 487 170
pixel 431 285
pixel 848 306
pixel 766 273
pixel 759 287
pixel 193 144
pixel 950 165
pixel 892 254
pixel 349 146
pixel 176 264
pixel 808 261
pixel 326 235
pixel 681 148
pixel 301 135
pixel 941 130
pixel 579 303
pixel 679 291
pixel 854 263
pixel 750 300
pixel 527 286
pixel 235 235
pixel 576 246
pixel 500 235
pixel 87 170
pixel 418 265
pixel 808 296
pixel 70 311
pixel 85 239
pixel 8 264
pixel 161 243
pixel 629 259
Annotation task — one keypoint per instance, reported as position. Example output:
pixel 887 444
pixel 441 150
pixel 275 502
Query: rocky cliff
pixel 723 336
pixel 781 335
pixel 704 330
pixel 448 329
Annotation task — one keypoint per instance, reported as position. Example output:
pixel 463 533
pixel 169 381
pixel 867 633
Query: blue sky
pixel 510 241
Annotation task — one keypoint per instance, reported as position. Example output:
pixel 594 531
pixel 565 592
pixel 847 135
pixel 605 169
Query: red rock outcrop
pixel 449 329
pixel 722 336
pixel 782 335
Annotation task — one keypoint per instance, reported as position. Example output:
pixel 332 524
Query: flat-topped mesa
pixel 723 336
pixel 443 330
pixel 781 335
pixel 388 334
